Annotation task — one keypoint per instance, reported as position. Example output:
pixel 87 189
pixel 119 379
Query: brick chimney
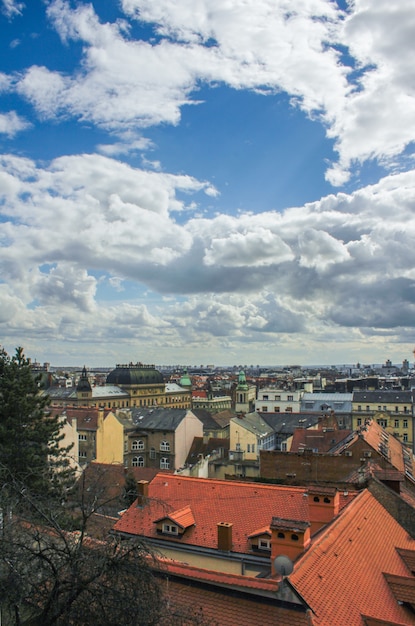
pixel 142 492
pixel 225 536
pixel 289 538
pixel 323 504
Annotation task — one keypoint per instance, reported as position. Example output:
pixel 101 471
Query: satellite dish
pixel 283 565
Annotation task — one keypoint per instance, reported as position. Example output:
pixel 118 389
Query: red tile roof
pixel 182 517
pixel 342 577
pixel 227 608
pixel 247 506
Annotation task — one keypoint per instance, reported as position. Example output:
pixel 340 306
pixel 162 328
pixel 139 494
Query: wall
pixel 110 440
pixel 189 428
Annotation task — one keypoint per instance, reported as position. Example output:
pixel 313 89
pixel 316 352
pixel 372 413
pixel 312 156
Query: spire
pixel 83 383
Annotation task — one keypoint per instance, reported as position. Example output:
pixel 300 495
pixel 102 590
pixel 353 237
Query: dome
pixel 135 374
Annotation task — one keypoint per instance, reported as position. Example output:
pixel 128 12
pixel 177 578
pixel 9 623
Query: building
pixel 273 400
pixel 250 553
pixel 155 438
pixel 127 386
pixel 245 395
pixel 323 403
pixel 392 409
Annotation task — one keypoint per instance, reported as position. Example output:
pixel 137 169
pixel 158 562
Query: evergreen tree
pixel 29 437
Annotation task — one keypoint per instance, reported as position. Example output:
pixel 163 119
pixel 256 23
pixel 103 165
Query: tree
pixel 50 576
pixel 130 490
pixel 29 437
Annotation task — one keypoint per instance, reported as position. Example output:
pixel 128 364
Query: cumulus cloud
pixel 327 264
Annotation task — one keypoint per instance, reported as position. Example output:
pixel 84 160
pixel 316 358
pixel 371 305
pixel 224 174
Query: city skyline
pixel 200 181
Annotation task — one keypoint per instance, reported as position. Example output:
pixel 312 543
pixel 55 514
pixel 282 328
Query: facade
pixel 392 409
pixel 127 386
pixel 339 403
pixel 153 438
pixel 273 400
pixel 211 402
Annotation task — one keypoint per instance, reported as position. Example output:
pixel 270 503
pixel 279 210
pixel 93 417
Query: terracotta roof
pixel 247 506
pixel 403 588
pixel 183 517
pixel 226 609
pixel 319 439
pixel 342 577
pixel 408 557
pixel 386 445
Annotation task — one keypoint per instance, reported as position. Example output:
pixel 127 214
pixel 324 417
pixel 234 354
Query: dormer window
pixel 264 544
pixel 170 529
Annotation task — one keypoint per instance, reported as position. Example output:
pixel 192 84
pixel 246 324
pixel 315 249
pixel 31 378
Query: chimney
pixel 289 538
pixel 323 504
pixel 142 492
pixel 225 536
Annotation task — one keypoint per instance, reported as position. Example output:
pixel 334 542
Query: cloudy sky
pixel 207 181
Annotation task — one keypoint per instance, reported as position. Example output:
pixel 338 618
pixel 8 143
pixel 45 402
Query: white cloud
pixel 11 8
pixel 11 124
pixel 365 99
pixel 318 269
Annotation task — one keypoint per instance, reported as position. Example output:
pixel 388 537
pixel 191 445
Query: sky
pixel 207 181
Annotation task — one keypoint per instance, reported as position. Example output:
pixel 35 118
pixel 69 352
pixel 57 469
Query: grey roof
pixel 286 423
pixel 254 423
pixel 174 388
pixel 382 395
pixel 338 402
pixel 208 421
pixel 98 392
pixel 158 418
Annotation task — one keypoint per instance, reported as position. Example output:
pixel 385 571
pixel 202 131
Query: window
pixel 152 453
pixel 405 423
pixel 252 447
pixel 281 536
pixel 405 437
pixel 82 454
pixel 165 446
pixel 264 409
pixel 138 461
pixel 359 421
pixel 81 437
pixel 264 544
pixel 238 447
pixel 359 407
pixel 248 447
pixel 289 409
pixel 383 423
pixel 170 528
pixel 405 409
pixel 278 398
pixel 276 409
pixel 138 444
pixel 379 407
pixel 290 398
pixel 396 423
pixel 367 408
pixel 164 462
pixel 265 397
pixel 294 537
pixel 396 409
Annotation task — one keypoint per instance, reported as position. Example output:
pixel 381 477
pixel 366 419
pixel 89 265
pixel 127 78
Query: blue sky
pixel 197 181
